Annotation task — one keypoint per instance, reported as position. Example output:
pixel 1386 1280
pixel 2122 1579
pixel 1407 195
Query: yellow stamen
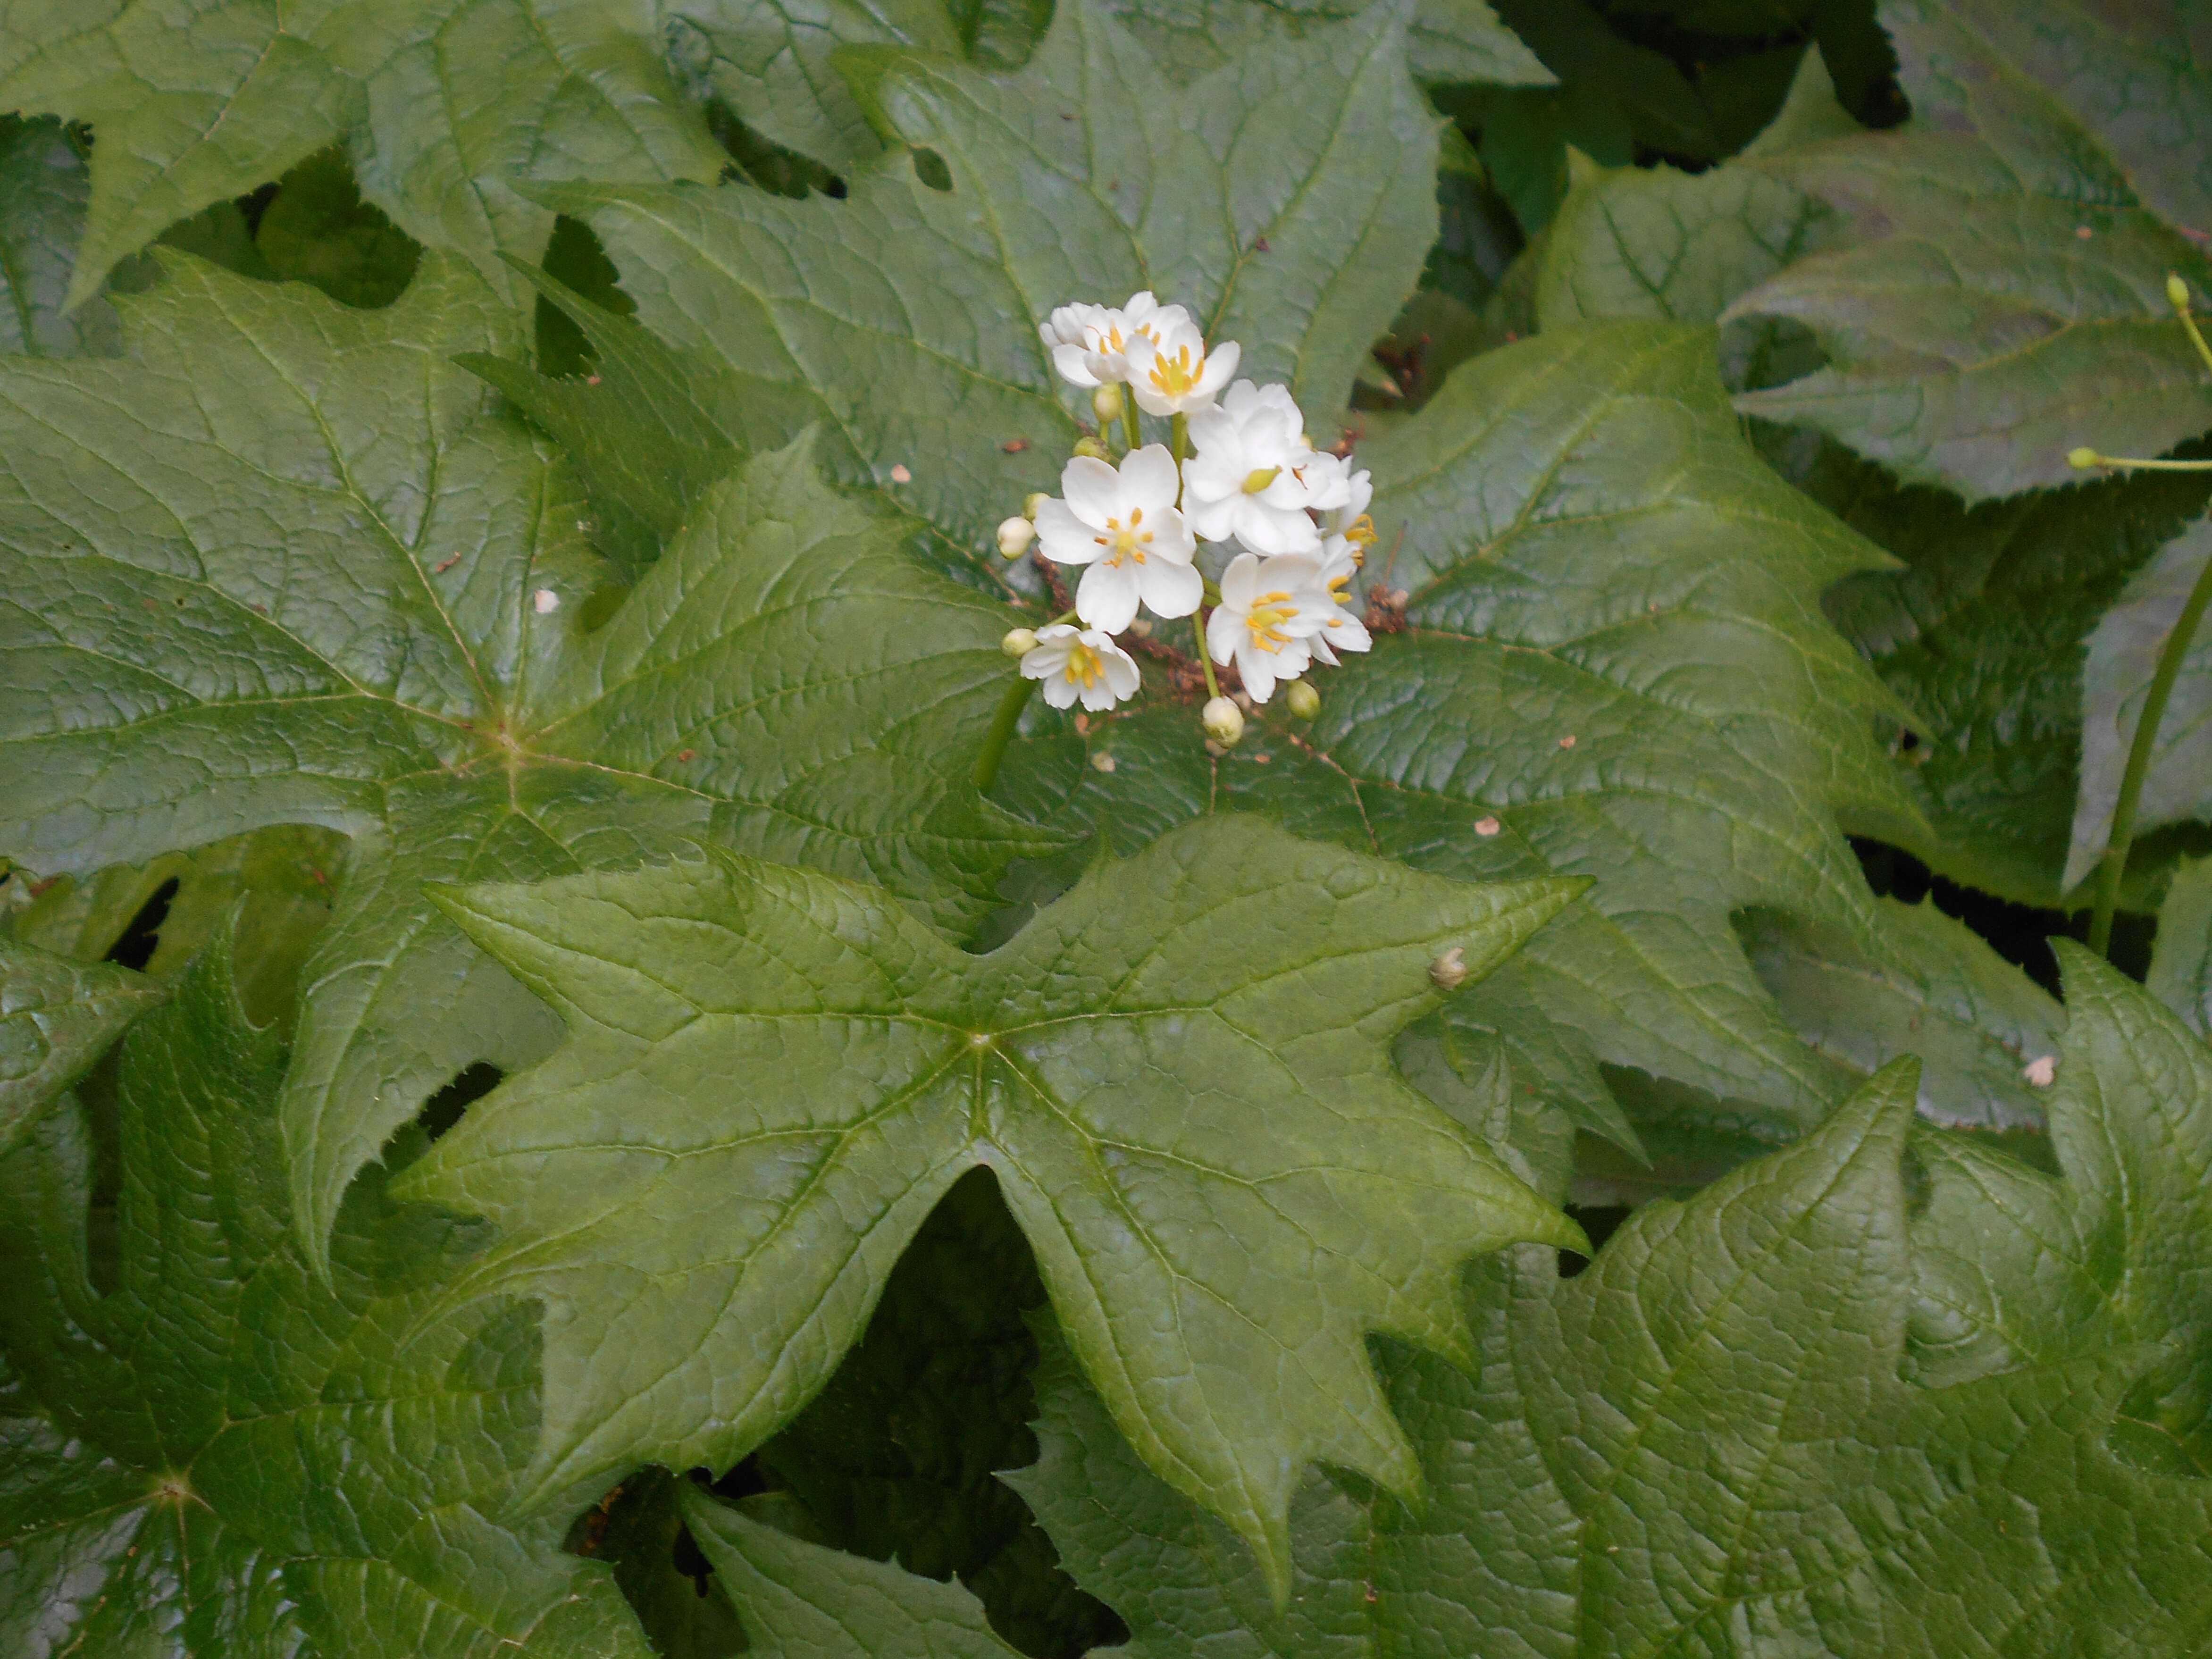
pixel 1260 478
pixel 1083 666
pixel 1175 377
pixel 1262 619
pixel 1362 536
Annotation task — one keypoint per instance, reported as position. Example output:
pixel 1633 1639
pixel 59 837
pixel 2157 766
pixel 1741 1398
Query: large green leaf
pixel 444 105
pixel 1616 667
pixel 1180 1074
pixel 43 186
pixel 1700 1444
pixel 1981 637
pixel 2000 296
pixel 1288 200
pixel 285 564
pixel 2017 1268
pixel 2123 653
pixel 211 1454
pixel 1447 40
pixel 56 1018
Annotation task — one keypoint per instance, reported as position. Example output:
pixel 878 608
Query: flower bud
pixel 1015 535
pixel 1095 449
pixel 2177 292
pixel 1304 700
pixel 1018 642
pixel 2082 459
pixel 1106 402
pixel 1030 503
pixel 1224 722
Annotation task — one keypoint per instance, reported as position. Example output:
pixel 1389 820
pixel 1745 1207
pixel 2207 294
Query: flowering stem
pixel 2114 863
pixel 2134 465
pixel 1131 432
pixel 1001 732
pixel 1198 628
pixel 1179 445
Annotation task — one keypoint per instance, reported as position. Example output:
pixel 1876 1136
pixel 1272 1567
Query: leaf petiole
pixel 2114 863
pixel 1002 732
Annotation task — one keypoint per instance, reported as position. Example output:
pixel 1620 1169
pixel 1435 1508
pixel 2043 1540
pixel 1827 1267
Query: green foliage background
pixel 543 1111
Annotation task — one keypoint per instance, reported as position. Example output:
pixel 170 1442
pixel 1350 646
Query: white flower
pixel 1267 615
pixel 1082 663
pixel 1344 630
pixel 1093 345
pixel 1250 479
pixel 1125 526
pixel 1174 373
pixel 1346 513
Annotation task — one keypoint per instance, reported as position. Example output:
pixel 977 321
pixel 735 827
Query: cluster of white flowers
pixel 1239 469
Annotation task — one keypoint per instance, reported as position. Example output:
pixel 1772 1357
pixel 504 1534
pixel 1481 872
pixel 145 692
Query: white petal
pixel 1065 538
pixel 1346 632
pixel 1148 479
pixel 1240 582
pixel 1059 690
pixel 1220 366
pixel 1211 518
pixel 1217 475
pixel 1257 668
pixel 1106 597
pixel 1223 629
pixel 1172 540
pixel 1093 490
pixel 1171 589
pixel 1119 670
pixel 1070 362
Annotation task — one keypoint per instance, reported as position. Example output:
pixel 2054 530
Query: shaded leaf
pixel 1930 989
pixel 1999 298
pixel 2181 955
pixel 1179 1074
pixel 801 1600
pixel 230 1460
pixel 1981 637
pixel 44 183
pixel 245 590
pixel 318 230
pixel 2123 650
pixel 56 1016
pixel 443 106
pixel 270 890
pixel 1447 40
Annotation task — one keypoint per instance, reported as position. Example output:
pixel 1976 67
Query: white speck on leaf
pixel 547 601
pixel 2040 1072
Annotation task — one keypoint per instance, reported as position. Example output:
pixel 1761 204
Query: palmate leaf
pixel 1999 297
pixel 286 564
pixel 2124 651
pixel 1288 200
pixel 1616 667
pixel 217 1456
pixel 1180 1074
pixel 443 106
pixel 1701 1444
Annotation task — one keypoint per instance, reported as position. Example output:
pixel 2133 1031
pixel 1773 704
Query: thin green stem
pixel 1132 433
pixel 2153 466
pixel 1198 628
pixel 1002 732
pixel 1179 445
pixel 2114 863
pixel 1213 593
pixel 2195 338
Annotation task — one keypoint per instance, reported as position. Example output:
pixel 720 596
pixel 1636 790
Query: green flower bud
pixel 1106 402
pixel 1304 700
pixel 1260 478
pixel 2177 292
pixel 2082 459
pixel 1092 447
pixel 1015 535
pixel 1030 503
pixel 1018 642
